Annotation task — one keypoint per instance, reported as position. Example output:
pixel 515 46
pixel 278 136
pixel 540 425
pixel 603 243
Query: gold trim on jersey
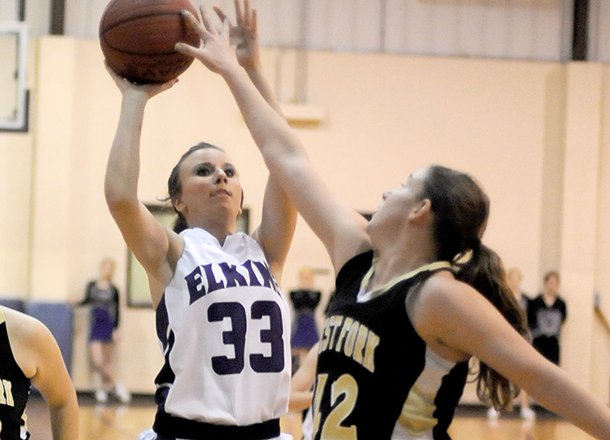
pixel 417 415
pixel 378 290
pixel 2 317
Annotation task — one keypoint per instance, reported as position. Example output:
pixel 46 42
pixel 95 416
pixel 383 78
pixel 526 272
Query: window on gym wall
pixel 13 91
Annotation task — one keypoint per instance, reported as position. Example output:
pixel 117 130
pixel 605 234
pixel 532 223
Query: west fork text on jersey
pixel 6 393
pixel 352 338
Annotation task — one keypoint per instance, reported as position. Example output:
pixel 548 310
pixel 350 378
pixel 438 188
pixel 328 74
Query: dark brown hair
pixel 461 210
pixel 551 274
pixel 174 184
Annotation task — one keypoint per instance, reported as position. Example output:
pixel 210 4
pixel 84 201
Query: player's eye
pixel 204 170
pixel 230 171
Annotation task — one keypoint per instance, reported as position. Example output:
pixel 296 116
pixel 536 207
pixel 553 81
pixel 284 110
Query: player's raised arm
pixel 339 227
pixel 143 234
pixel 279 215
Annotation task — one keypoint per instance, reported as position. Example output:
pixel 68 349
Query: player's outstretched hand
pixel 243 35
pixel 215 52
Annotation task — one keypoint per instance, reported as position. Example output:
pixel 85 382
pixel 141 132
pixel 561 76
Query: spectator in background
pixel 103 297
pixel 304 299
pixel 546 315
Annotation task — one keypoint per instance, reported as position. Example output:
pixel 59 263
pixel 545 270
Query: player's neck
pixel 391 266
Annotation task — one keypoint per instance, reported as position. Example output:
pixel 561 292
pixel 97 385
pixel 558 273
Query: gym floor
pixel 115 421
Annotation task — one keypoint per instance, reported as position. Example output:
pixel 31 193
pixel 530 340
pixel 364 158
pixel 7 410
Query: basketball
pixel 138 37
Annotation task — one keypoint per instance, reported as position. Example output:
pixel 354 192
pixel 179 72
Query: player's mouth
pixel 222 192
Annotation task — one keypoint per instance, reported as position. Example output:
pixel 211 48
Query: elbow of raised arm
pixel 113 197
pixel 118 201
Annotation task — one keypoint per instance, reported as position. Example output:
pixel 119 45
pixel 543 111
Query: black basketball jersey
pixel 305 299
pixel 104 299
pixel 545 323
pixel 14 391
pixel 376 378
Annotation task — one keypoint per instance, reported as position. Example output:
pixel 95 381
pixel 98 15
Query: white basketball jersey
pixel 224 328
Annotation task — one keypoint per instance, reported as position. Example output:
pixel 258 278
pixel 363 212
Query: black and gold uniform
pixel 376 378
pixel 14 391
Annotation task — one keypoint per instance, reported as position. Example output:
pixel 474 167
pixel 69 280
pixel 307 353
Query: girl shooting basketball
pixel 222 322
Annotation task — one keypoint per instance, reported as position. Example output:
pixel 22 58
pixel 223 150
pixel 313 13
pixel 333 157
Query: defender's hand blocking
pixel 216 52
pixel 244 36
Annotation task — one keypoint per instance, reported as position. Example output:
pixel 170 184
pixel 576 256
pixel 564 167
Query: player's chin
pixel 225 200
pixel 226 206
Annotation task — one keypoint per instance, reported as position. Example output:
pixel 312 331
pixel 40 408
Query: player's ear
pixel 421 210
pixel 178 204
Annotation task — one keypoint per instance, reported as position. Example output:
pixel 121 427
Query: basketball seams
pixel 131 19
pixel 106 34
pixel 150 55
pixel 140 54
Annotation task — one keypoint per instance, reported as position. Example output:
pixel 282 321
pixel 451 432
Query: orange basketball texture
pixel 138 37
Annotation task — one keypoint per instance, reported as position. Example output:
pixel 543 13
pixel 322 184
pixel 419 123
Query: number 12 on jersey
pixel 343 396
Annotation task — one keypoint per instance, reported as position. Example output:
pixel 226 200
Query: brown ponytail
pixel 180 223
pixel 485 272
pixel 461 209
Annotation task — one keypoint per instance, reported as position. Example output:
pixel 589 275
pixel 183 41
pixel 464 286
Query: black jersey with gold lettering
pixel 376 378
pixel 14 391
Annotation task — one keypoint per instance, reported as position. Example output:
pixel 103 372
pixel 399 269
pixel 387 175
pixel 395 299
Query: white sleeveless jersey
pixel 224 328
